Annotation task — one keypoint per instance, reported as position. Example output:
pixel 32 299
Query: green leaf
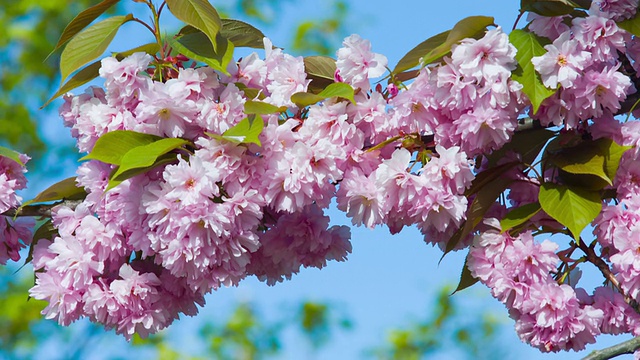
pixel 242 34
pixel 82 77
pixel 199 14
pixel 466 279
pixel 246 131
pixel 11 154
pixel 339 90
pixel 412 58
pixel 112 146
pixel 198 47
pixel 572 207
pixel 343 90
pixel 631 25
pixel 470 27
pixel 82 20
pixel 262 108
pixel 320 70
pixel 89 44
pixel 145 156
pixel 124 175
pixel 65 189
pixel 529 45
pixel 549 7
pixel 519 216
pixel 320 66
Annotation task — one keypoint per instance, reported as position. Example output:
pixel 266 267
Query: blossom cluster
pixel 137 253
pixel 15 234
pixel 135 256
pixel 585 62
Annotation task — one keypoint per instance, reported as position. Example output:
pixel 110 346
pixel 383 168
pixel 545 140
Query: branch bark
pixel 627 347
pixel 41 210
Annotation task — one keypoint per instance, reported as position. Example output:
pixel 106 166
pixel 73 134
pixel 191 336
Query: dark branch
pixel 627 347
pixel 41 210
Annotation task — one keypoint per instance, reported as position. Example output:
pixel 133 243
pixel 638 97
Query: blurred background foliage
pixel 28 77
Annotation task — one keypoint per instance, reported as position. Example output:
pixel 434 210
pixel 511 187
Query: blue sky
pixel 388 281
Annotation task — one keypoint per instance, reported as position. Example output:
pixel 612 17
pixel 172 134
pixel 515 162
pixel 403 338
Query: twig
pixel 627 347
pixel 41 210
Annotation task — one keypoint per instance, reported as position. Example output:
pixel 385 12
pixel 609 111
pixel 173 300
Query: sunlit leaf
pixel 631 25
pixel 199 14
pixel 343 90
pixel 11 154
pixel 412 58
pixel 612 152
pixel 573 207
pixel 82 20
pixel 246 131
pixel 129 173
pixel 65 189
pixel 89 44
pixel 262 108
pixel 519 216
pixel 597 157
pixel 146 155
pixel 470 27
pixel 112 146
pixel 529 46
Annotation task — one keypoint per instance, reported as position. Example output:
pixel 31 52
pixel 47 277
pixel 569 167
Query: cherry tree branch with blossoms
pixel 201 170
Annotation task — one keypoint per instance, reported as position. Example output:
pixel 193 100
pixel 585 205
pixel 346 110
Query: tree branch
pixel 627 347
pixel 41 210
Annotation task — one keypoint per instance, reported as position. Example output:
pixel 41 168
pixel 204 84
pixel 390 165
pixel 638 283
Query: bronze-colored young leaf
pixel 150 48
pixel 82 20
pixel 470 27
pixel 66 189
pixel 199 14
pixel 549 7
pixel 242 34
pixel 412 58
pixel 320 70
pixel 89 44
